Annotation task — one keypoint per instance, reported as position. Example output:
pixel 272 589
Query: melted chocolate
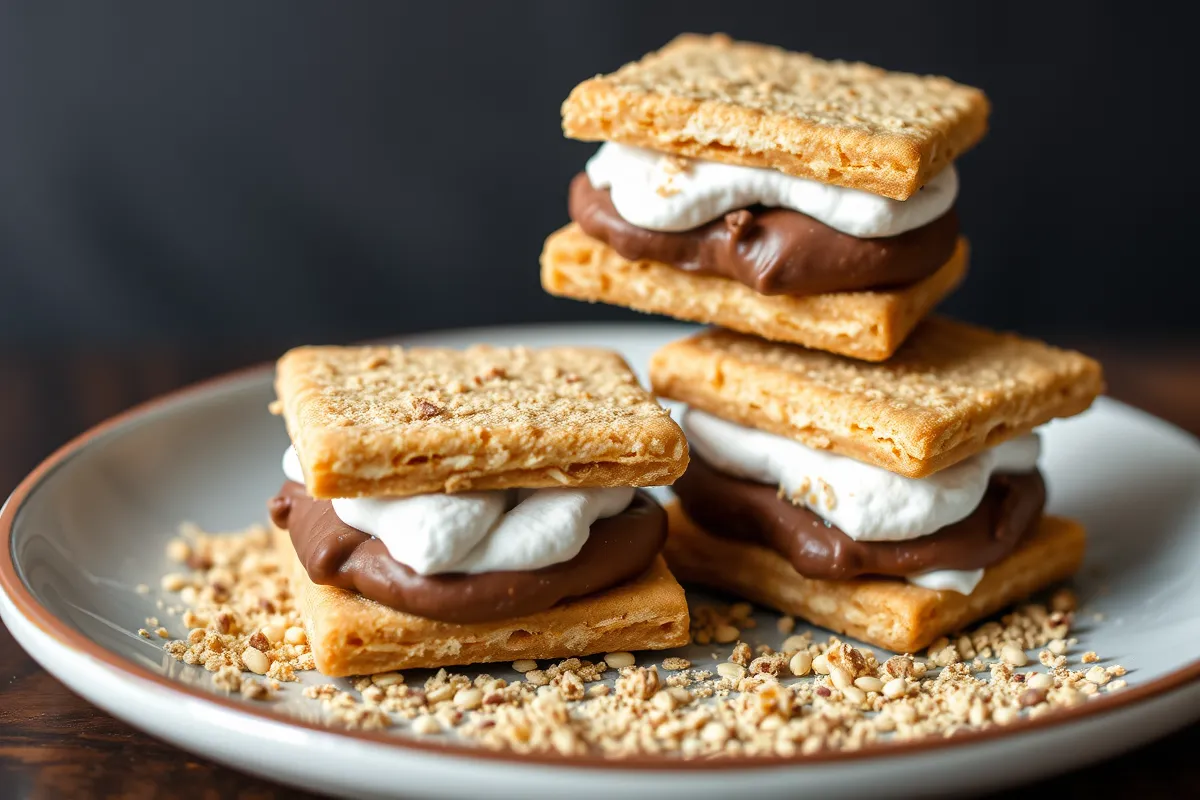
pixel 739 509
pixel 772 250
pixel 618 549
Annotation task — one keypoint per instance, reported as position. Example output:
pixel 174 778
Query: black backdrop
pixel 334 170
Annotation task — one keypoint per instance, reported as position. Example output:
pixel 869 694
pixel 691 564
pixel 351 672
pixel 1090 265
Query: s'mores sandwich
pixel 892 502
pixel 769 192
pixel 464 506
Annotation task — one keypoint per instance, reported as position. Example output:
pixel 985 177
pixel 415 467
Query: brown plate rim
pixel 28 606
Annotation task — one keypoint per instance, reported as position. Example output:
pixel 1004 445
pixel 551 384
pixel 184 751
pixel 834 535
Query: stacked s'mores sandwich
pixel 465 506
pixel 853 461
pixel 768 192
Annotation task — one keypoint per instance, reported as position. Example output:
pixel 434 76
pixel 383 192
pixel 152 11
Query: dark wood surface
pixel 54 744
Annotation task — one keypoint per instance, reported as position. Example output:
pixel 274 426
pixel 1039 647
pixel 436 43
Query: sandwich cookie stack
pixel 768 192
pixel 893 502
pixel 458 507
pixel 864 469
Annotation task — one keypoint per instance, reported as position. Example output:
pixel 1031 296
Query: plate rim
pixel 48 624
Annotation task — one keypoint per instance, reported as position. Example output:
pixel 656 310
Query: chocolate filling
pixel 739 509
pixel 772 250
pixel 618 549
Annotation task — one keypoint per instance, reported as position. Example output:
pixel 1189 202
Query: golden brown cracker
pixel 949 392
pixel 399 421
pixel 846 124
pixel 866 325
pixel 887 613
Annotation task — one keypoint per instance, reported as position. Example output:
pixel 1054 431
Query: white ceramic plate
pixel 90 523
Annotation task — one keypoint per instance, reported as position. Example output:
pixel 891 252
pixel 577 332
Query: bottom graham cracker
pixel 866 325
pixel 351 635
pixel 891 614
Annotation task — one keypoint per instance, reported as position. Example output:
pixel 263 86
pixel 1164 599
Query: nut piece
pixel 385 679
pixel 619 660
pixel 1004 716
pixel 256 660
pixel 849 659
pixel 426 726
pixel 295 635
pixel 799 641
pixel 524 665
pixel 1039 680
pixel 894 688
pixel 1097 675
pixel 1013 655
pixel 869 684
pixel 801 663
pixel 820 665
pixel 468 699
pixel 728 669
pixel 854 695
pixel 840 678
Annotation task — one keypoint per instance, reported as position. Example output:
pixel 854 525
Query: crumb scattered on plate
pixel 803 697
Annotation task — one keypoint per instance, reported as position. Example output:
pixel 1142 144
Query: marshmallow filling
pixel 617 549
pixel 837 518
pixel 775 233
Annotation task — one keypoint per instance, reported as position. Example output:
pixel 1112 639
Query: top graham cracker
pixel 842 123
pixel 395 421
pixel 949 392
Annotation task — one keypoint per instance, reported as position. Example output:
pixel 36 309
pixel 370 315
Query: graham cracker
pixel 351 635
pixel 891 614
pixel 846 124
pixel 866 325
pixel 950 391
pixel 394 421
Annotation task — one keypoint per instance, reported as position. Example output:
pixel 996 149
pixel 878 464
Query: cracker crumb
pixel 805 697
pixel 235 599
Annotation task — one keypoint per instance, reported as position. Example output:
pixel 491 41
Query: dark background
pixel 186 188
pixel 321 171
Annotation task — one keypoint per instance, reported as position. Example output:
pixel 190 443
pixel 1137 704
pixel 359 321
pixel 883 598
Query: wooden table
pixel 53 744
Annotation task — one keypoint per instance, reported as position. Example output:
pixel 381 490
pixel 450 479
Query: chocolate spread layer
pixel 739 509
pixel 771 250
pixel 618 549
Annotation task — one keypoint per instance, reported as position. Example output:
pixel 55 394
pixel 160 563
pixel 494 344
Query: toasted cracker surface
pixel 866 325
pixel 351 635
pixel 950 391
pixel 891 614
pixel 847 124
pixel 396 421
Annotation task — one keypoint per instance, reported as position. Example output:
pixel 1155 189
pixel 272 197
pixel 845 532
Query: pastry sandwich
pixel 892 502
pixel 769 192
pixel 466 506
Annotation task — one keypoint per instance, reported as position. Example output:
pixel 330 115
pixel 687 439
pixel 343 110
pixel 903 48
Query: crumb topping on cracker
pixel 394 420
